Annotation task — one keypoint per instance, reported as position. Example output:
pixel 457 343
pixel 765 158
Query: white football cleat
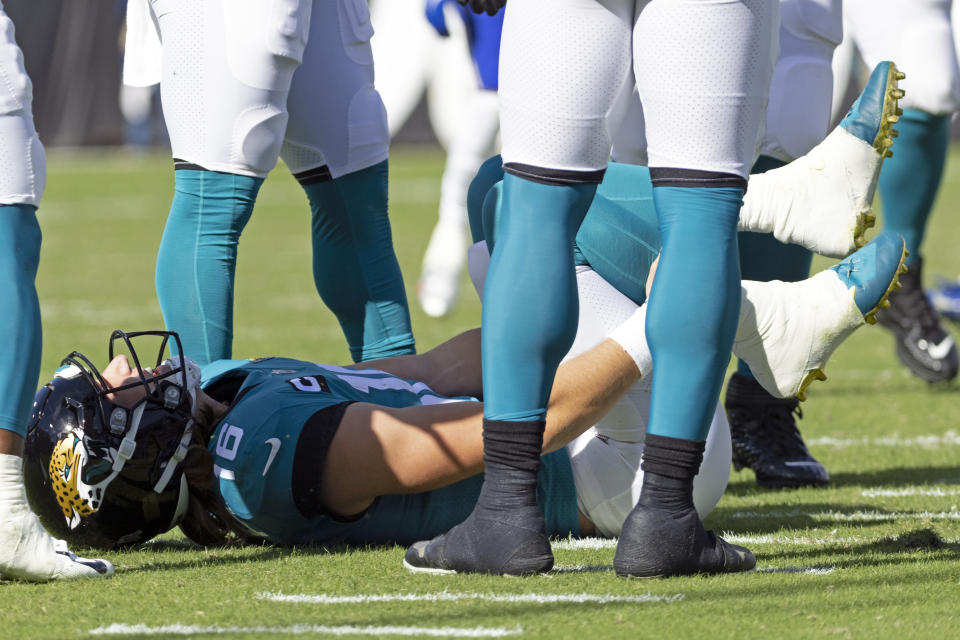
pixel 788 330
pixel 70 566
pixel 822 201
pixel 27 551
pixel 442 264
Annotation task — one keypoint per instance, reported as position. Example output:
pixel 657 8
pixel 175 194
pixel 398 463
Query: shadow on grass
pixel 898 477
pixel 887 550
pixel 773 518
pixel 745 485
pixel 165 555
pixel 157 556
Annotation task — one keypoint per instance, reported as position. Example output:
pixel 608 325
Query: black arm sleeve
pixel 310 455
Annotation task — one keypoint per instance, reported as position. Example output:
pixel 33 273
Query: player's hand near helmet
pixel 27 552
pixel 489 7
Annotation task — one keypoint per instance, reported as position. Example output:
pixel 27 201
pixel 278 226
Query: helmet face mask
pixel 105 475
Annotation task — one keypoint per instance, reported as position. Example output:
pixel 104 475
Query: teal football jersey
pixel 253 449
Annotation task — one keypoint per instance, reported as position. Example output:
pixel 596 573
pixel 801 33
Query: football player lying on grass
pixel 294 452
pixel 821 201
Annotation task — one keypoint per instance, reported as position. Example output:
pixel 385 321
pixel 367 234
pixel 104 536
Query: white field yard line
pixel 120 629
pixel 810 571
pixel 800 541
pixel 949 438
pixel 909 491
pixel 453 596
pixel 852 516
pixel 580 544
pixel 580 568
pixel 780 539
pixel 607 543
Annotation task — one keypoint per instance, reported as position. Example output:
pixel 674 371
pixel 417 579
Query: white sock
pixel 818 201
pixel 26 550
pixel 788 329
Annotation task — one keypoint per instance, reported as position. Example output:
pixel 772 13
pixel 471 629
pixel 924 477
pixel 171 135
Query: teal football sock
pixel 911 177
pixel 355 268
pixel 530 301
pixel 692 316
pixel 764 258
pixel 20 327
pixel 197 259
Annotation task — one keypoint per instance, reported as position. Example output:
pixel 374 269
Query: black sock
pixel 669 465
pixel 511 455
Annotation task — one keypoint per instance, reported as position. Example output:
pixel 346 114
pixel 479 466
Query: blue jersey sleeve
pixel 484 33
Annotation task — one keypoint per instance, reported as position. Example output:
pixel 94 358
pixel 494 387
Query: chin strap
pixel 175 460
pixel 193 377
pixel 127 446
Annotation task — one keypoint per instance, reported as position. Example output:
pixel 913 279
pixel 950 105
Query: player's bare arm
pixel 452 368
pixel 421 448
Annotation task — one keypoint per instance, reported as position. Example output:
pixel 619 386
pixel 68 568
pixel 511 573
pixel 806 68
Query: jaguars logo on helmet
pixel 104 475
pixel 68 457
pixel 77 478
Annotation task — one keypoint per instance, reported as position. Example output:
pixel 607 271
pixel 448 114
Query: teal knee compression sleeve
pixel 198 256
pixel 530 301
pixel 355 268
pixel 618 237
pixel 20 328
pixel 489 174
pixel 910 179
pixel 692 315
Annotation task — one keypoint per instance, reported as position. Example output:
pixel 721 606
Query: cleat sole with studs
pixel 891 112
pixel 882 143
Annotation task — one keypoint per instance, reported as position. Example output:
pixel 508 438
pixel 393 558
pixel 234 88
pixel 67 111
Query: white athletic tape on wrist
pixel 631 335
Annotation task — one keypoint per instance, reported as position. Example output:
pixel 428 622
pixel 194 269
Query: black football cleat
pixel 657 543
pixel 765 437
pixel 923 345
pixel 485 545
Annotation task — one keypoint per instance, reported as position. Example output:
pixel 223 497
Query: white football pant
pixel 798 113
pixel 562 70
pixel 919 37
pixel 241 87
pixel 23 173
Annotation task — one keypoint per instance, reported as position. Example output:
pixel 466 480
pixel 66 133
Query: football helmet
pixel 103 475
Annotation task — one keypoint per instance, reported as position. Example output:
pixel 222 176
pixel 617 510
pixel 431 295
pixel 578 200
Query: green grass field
pixel 877 553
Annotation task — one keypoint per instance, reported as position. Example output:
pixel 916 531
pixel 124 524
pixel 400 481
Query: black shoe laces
pixel 770 428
